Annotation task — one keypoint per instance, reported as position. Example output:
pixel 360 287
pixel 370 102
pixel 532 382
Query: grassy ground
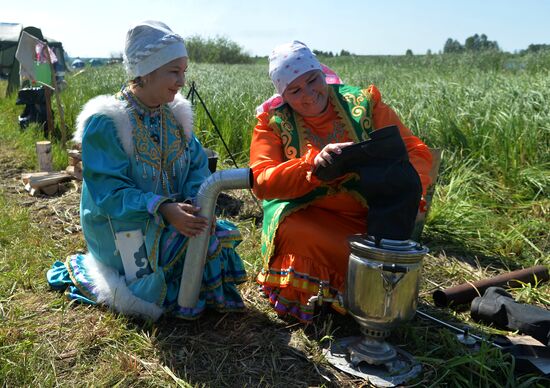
pixel 490 215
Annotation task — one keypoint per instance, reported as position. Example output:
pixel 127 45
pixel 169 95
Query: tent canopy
pixel 9 32
pixel 78 63
pixel 9 39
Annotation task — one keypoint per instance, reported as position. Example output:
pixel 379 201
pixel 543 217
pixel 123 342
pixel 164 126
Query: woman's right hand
pixel 183 216
pixel 324 158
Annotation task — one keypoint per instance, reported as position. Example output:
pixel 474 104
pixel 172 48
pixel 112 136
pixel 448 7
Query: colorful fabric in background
pixel 43 73
pixel 276 100
pixel 33 59
pixel 42 56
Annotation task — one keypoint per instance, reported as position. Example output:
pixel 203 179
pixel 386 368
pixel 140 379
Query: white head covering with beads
pixel 289 61
pixel 150 45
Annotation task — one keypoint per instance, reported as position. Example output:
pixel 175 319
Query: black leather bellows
pixel 389 182
pixel 498 307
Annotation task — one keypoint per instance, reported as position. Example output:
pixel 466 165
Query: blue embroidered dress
pixel 134 159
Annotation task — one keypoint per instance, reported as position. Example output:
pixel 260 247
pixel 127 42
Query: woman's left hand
pixel 324 158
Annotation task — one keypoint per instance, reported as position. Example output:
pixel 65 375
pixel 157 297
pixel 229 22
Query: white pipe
pixel 193 268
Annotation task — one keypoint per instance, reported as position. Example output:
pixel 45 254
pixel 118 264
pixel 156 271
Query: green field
pixel 490 214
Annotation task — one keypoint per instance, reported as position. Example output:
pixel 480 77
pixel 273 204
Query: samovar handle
pixel 395 268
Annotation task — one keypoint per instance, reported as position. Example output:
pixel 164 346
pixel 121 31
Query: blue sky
pixel 97 28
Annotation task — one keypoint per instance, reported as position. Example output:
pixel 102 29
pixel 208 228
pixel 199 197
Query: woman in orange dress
pixel 307 221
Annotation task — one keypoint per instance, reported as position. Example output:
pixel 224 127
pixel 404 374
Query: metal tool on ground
pixel 462 333
pixel 529 358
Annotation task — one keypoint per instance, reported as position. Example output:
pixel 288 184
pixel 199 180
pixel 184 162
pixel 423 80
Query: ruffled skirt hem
pixel 291 281
pixel 82 281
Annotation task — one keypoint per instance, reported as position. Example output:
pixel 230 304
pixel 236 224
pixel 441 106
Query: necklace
pixel 138 106
pixel 153 115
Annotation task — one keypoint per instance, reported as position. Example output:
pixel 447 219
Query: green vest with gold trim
pixel 354 106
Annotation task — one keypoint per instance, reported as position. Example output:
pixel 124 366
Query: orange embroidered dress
pixel 306 221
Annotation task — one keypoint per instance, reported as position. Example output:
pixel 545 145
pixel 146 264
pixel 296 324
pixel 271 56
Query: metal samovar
pixel 381 293
pixel 384 271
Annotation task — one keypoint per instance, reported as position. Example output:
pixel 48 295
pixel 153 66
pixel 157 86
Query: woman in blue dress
pixel 142 167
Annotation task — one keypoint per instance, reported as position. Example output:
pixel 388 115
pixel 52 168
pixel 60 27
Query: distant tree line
pixel 330 54
pixel 478 43
pixel 224 50
pixel 535 48
pixel 474 43
pixel 215 50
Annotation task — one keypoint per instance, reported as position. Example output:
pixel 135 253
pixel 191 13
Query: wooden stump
pixel 44 152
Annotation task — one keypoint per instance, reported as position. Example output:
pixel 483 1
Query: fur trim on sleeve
pixel 115 110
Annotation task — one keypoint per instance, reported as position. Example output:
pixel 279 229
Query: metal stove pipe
pixel 191 279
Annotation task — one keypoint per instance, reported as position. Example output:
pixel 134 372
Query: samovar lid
pixel 362 244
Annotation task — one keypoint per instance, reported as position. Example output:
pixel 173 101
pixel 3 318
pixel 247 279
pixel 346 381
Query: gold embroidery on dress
pixel 352 134
pixel 366 121
pixel 149 150
pixel 286 134
pixel 177 145
pixel 145 146
pixel 300 131
pixel 359 111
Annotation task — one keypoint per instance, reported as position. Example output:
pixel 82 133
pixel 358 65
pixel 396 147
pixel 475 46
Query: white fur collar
pixel 116 110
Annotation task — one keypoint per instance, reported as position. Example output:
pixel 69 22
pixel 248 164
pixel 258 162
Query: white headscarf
pixel 289 61
pixel 150 45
